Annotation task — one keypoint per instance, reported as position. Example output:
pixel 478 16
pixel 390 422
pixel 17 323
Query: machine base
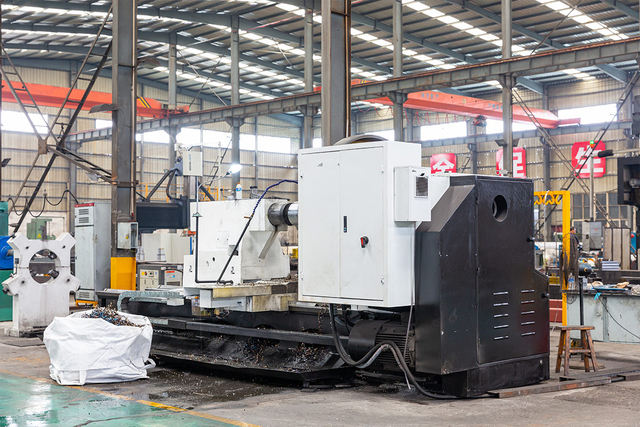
pixel 499 375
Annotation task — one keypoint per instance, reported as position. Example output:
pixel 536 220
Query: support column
pixel 546 176
pixel 397 38
pixel 411 128
pixel 473 148
pixel 123 148
pixel 398 100
pixel 307 133
pixel 235 98
pixel 308 50
pixel 255 154
pixel 473 160
pixel 507 87
pixel 507 82
pixel 336 70
pixel 173 71
pixel 73 169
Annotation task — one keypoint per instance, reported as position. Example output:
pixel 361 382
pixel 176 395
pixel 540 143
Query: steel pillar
pixel 508 83
pixel 336 70
pixel 173 71
pixel 255 153
pixel 307 132
pixel 235 123
pixel 308 50
pixel 410 136
pixel 507 88
pixel 73 169
pixel 398 100
pixel 397 38
pixel 473 157
pixel 124 120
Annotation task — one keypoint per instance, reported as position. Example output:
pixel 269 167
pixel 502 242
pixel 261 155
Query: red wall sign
pixel 519 162
pixel 578 152
pixel 445 162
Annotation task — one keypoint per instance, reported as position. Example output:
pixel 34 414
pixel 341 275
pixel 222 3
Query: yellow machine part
pixel 123 273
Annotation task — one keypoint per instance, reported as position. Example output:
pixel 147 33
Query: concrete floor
pixel 175 397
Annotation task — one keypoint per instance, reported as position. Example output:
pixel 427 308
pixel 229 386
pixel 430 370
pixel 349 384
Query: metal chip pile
pixel 110 315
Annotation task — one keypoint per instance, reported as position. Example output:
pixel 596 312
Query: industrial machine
pixel 401 273
pixel 93 249
pixel 6 262
pixel 41 282
pixel 158 274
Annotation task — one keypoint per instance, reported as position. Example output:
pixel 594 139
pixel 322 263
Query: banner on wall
pixel 519 162
pixel 445 162
pixel 578 152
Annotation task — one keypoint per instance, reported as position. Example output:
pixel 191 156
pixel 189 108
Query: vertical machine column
pixel 123 190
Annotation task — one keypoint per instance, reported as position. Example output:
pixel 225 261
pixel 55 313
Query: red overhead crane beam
pixel 468 106
pixel 54 96
pixel 473 107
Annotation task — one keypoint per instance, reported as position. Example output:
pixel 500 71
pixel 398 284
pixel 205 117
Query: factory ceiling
pixel 438 34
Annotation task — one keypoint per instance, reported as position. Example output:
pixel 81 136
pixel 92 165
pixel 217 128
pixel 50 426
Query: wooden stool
pixel 587 348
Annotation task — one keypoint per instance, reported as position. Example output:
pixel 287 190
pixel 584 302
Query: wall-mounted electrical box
pixel 127 235
pixel 192 163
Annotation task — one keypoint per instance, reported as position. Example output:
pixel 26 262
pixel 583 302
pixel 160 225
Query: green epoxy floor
pixel 27 402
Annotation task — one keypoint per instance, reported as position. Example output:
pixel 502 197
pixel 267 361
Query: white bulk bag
pixel 85 350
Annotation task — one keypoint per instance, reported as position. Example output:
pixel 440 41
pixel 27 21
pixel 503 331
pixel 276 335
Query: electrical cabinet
pixel 127 235
pixel 93 248
pixel 352 249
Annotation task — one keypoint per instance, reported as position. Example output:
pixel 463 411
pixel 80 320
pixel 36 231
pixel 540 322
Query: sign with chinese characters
pixel 579 151
pixel 519 162
pixel 445 162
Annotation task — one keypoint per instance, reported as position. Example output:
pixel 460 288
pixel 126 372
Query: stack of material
pixel 610 266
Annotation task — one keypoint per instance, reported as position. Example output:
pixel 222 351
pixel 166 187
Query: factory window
pixel 588 115
pixel 273 144
pixel 495 126
pixel 619 214
pixel 447 130
pixel 103 124
pixel 317 142
pixel 15 121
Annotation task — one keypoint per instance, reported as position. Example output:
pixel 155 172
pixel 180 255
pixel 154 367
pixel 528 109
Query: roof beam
pixel 614 73
pixel 464 4
pixel 162 38
pixel 79 50
pixel 546 62
pixel 201 18
pixel 622 8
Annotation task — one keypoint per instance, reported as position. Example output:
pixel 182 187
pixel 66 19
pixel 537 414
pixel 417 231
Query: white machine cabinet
pixel 352 249
pixel 93 248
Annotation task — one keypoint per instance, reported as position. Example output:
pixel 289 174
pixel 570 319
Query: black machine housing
pixel 482 310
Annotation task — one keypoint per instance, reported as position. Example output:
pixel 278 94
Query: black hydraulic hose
pixel 390 345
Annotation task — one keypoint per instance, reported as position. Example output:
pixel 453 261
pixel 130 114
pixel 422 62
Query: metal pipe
pixel 507 87
pixel 591 190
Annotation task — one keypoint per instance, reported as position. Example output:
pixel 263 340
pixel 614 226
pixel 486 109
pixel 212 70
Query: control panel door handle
pixel 364 240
